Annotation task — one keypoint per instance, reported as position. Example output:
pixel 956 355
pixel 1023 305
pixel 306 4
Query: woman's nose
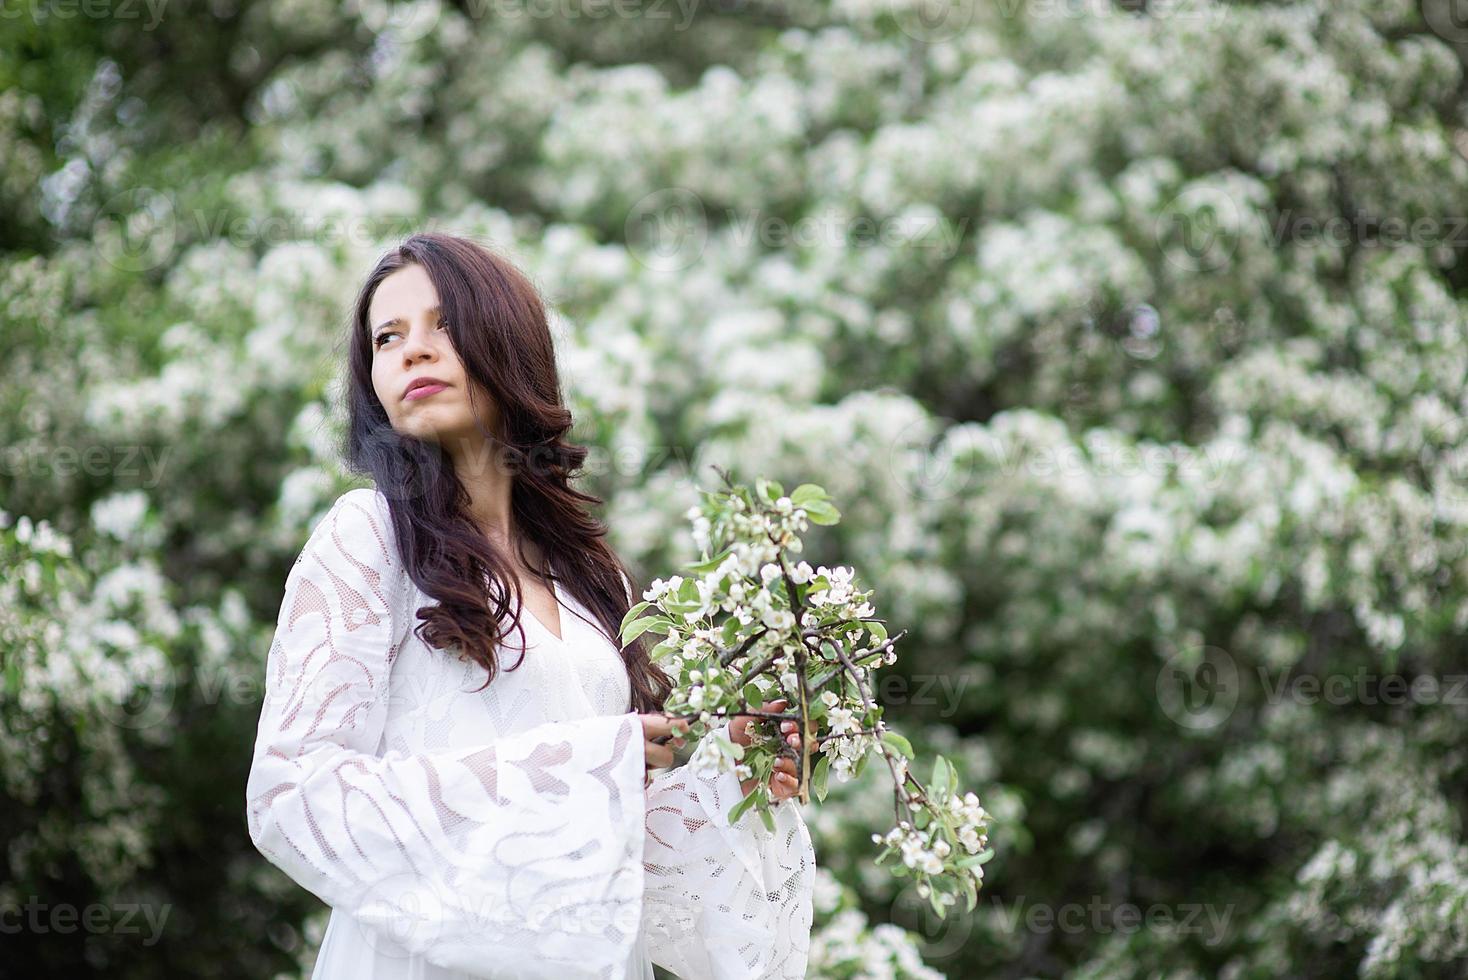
pixel 417 347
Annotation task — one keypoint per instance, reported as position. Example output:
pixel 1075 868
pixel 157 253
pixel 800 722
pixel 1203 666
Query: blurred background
pixel 1128 337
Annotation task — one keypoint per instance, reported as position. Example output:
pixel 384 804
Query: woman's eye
pixel 380 338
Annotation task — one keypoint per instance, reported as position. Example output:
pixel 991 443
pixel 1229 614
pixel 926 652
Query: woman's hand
pixel 784 783
pixel 656 754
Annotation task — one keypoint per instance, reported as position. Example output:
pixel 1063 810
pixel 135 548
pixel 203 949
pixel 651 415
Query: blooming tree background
pixel 1130 336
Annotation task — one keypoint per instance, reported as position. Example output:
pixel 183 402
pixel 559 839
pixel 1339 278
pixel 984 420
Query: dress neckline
pixel 560 611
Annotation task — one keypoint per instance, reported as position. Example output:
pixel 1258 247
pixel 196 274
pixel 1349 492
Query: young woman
pixel 454 750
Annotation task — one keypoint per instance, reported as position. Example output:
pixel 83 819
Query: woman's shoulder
pixel 357 529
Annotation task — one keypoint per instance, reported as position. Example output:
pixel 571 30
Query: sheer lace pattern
pixel 503 832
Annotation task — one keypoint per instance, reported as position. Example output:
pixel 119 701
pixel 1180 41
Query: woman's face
pixel 410 342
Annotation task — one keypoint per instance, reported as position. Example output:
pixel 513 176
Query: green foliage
pixel 760 632
pixel 1131 342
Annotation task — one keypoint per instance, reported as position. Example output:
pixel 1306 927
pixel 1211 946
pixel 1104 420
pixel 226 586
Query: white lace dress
pixel 505 832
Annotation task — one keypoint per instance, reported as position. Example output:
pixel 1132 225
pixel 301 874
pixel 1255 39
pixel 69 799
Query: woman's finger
pixel 657 756
pixel 662 727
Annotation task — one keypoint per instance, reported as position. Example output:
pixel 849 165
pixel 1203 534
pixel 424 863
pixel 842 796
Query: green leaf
pixel 632 614
pixel 768 819
pixel 939 783
pixel 819 777
pixel 709 564
pixel 820 512
pixel 806 494
pixel 741 808
pixel 819 681
pixel 936 902
pixel 897 743
pixel 875 628
pixel 642 626
pixel 974 860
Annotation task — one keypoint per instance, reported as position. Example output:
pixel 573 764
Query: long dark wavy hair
pixel 497 323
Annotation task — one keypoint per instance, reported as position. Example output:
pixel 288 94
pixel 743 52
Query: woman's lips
pixel 423 391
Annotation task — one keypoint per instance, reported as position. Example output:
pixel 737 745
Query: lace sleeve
pixel 724 901
pixel 520 856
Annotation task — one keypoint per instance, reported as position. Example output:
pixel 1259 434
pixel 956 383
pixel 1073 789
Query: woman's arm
pixel 521 856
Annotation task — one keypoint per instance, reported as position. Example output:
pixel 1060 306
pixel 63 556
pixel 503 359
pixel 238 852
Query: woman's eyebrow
pixel 397 319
